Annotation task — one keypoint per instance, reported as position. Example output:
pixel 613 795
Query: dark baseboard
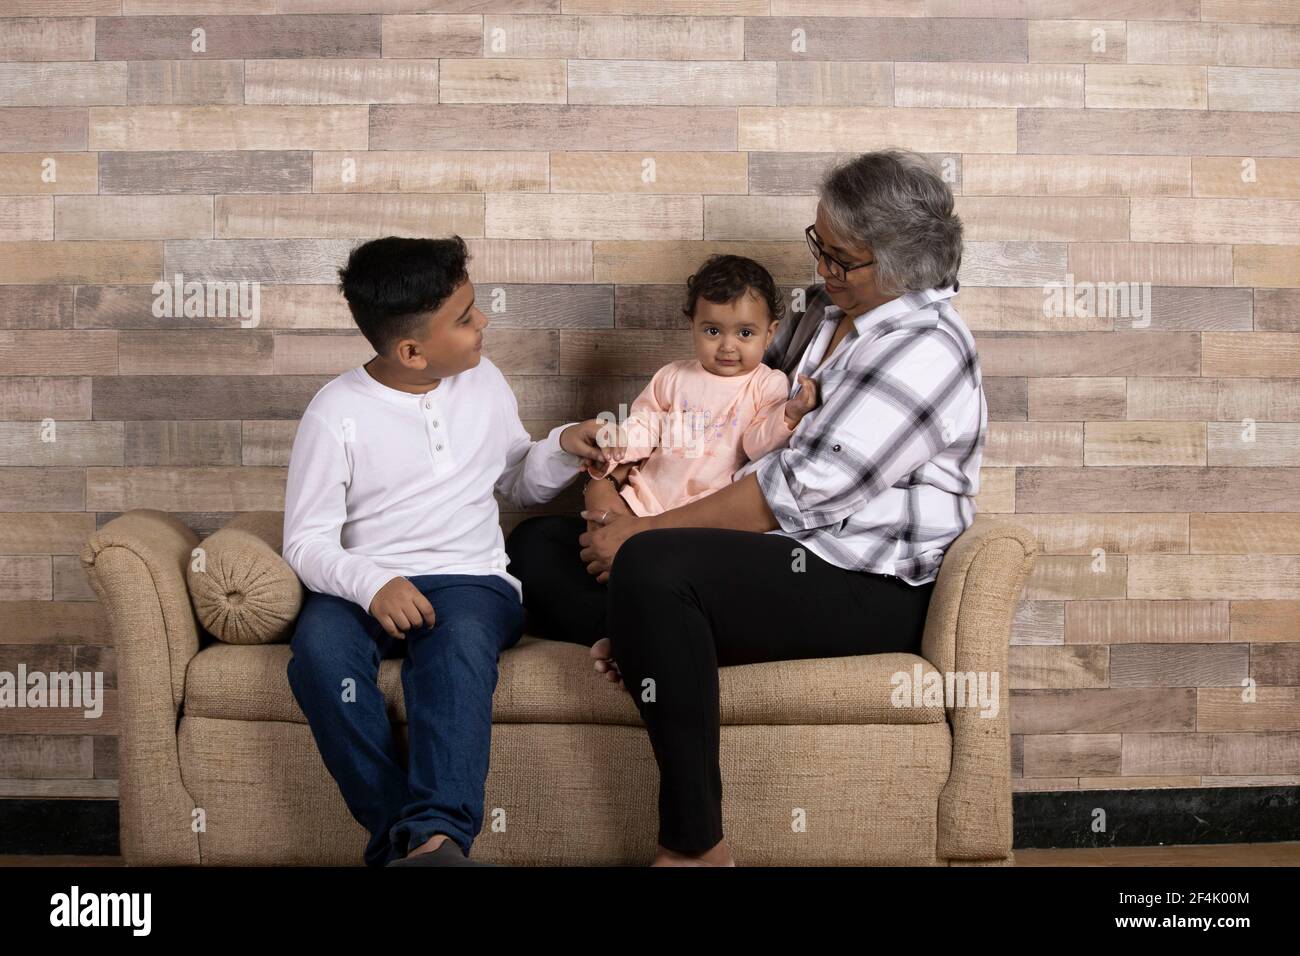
pixel 58 827
pixel 1051 820
pixel 1063 819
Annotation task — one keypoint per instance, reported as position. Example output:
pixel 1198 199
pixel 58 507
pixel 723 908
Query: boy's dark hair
pixel 725 278
pixel 391 284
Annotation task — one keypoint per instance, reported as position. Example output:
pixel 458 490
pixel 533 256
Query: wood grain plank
pixel 421 36
pixel 547 127
pixel 1264 221
pixel 244 127
pixel 898 39
pixel 358 216
pixel 62 84
pixel 56 39
pixel 1249 577
pixel 1185 665
pixel 1137 489
pixel 133 217
pixel 26 218
pixel 1063 175
pixel 28 174
pixel 1146 622
pixel 1160 132
pixel 215 171
pixel 184 82
pixel 236 37
pixel 1077 41
pixel 970 85
pixel 709 174
pixel 830 129
pixel 1145 443
pixel 504 81
pixel 430 171
pixel 1144 87
pixel 309 82
pixel 1243 533
pixel 665 83
pixel 1235 178
pixel 593 216
pixel 34 263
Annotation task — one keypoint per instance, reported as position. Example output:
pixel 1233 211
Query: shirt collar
pixel 377 388
pixel 902 305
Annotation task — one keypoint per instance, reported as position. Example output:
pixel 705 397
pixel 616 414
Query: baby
pixel 699 420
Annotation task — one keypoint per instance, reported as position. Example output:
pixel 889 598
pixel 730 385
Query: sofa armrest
pixel 968 630
pixel 136 564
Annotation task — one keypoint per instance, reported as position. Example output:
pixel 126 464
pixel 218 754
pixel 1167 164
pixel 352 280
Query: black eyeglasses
pixel 837 269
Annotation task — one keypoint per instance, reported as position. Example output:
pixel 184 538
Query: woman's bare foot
pixel 720 855
pixel 603 663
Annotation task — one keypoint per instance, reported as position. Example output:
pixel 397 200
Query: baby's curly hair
pixel 725 278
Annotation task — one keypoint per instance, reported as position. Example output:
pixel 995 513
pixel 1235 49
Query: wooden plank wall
pixel 1142 141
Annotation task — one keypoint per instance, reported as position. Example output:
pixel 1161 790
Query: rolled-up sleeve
pixel 879 421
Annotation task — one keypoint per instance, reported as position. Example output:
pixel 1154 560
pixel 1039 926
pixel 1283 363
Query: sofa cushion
pixel 552 682
pixel 243 591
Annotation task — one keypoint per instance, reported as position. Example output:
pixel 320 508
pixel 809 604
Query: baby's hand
pixel 803 403
pixel 601 469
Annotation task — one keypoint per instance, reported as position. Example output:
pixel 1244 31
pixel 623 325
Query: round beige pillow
pixel 243 591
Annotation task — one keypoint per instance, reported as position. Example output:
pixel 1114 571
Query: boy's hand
pixel 582 440
pixel 803 403
pixel 399 606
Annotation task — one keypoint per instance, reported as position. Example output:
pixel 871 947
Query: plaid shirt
pixel 881 476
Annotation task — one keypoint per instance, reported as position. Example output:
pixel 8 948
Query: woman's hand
pixel 601 499
pixel 600 546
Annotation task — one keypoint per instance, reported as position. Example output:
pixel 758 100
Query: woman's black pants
pixel 679 603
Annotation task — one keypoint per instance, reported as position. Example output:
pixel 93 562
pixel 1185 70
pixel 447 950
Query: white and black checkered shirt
pixel 881 476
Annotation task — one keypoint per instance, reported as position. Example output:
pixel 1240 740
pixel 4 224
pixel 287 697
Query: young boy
pixel 391 523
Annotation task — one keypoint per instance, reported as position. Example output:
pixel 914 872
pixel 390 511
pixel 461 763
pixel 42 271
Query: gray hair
pixel 895 201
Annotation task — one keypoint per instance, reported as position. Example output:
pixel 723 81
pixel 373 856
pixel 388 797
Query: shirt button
pixel 439 447
pixel 435 423
pixel 835 448
pixel 428 403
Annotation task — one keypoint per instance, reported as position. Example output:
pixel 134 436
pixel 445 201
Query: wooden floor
pixel 1227 854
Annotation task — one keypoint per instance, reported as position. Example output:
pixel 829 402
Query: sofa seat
pixel 543 682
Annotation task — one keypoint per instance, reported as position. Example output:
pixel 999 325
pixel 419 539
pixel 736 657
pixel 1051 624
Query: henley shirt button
pixel 440 448
pixel 835 448
pixel 435 423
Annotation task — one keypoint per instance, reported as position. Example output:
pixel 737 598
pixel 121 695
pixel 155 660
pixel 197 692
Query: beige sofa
pixel 819 766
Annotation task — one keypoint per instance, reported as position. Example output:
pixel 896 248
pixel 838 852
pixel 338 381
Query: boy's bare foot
pixel 720 855
pixel 429 845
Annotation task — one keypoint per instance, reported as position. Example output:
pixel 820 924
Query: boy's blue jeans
pixel 448 676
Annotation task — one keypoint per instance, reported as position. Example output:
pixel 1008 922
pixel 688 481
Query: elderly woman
pixel 824 548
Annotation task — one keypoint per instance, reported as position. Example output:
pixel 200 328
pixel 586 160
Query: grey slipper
pixel 447 854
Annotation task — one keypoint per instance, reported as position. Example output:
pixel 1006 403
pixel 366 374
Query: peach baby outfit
pixel 696 429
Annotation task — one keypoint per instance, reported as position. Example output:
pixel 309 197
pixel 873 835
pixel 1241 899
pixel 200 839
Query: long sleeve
pixel 315 509
pixel 644 425
pixel 768 429
pixel 535 472
pixel 890 413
